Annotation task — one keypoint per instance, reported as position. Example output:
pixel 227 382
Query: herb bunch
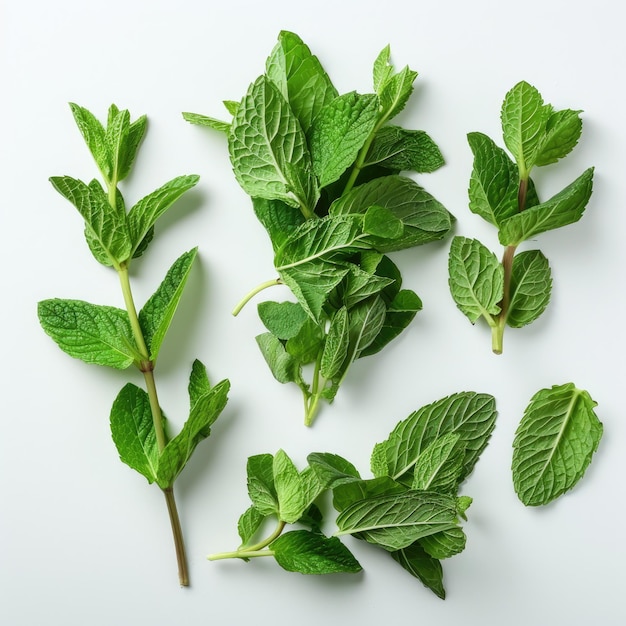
pixel 324 174
pixel 119 338
pixel 410 508
pixel 515 291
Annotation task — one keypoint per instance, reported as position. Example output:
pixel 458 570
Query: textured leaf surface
pixel 415 560
pixel 282 319
pixel 444 544
pixel 331 469
pixel 554 443
pixel 531 285
pixel 248 524
pixel 476 279
pixel 439 466
pixel 89 332
pixel 562 134
pixel 311 553
pixel 396 91
pixel 283 366
pixel 336 346
pixel 289 488
pixel 261 488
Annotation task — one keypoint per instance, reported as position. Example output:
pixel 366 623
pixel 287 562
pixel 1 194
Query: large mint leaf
pixel 415 560
pixel 289 489
pixel 300 77
pixel 476 279
pixel 554 443
pixel 524 120
pixel 89 332
pixel 531 285
pixel 203 414
pixel 268 149
pixel 105 223
pixel 396 521
pixel 468 414
pixel 425 219
pixel 402 150
pixel 132 429
pixel 494 181
pixel 147 211
pixel 311 553
pixel 562 134
pixel 566 207
pixel 339 132
pixel 156 315
pixel 261 488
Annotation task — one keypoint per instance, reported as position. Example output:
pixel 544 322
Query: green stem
pixel 316 393
pixel 251 294
pixel 177 532
pixel 256 550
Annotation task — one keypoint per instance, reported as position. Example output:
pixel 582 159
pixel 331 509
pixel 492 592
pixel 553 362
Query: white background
pixel 84 540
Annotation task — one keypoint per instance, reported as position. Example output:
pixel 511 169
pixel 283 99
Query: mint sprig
pixel 516 291
pixel 323 171
pixel 119 338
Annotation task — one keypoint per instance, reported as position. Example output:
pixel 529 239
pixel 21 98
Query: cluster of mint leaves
pixel 411 507
pixel 516 291
pixel 119 338
pixel 324 174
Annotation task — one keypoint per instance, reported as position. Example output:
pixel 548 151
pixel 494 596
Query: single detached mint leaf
pixel 396 521
pixel 524 120
pixel 132 429
pixel 311 553
pixel 415 560
pixel 282 319
pixel 248 524
pixel 289 488
pixel 300 77
pixel 566 207
pixel 268 149
pixel 554 443
pixel 339 132
pixel 89 332
pixel 531 285
pixel 468 414
pixel 204 120
pixel 157 314
pixel 476 279
pixel 261 488
pixel 283 366
pixel 494 182
pixel 563 131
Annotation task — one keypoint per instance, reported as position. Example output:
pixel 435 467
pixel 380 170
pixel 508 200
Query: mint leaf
pixel 554 443
pixel 349 492
pixel 382 69
pixel 360 284
pixel 381 222
pixel 566 207
pixel 439 466
pixel 365 321
pixel 94 135
pixel 89 332
pixel 117 131
pixel 204 120
pixel 338 133
pixel 444 544
pixel 306 345
pixel 135 135
pixel 132 429
pixel 476 279
pixel 332 470
pixel 199 384
pixel 563 131
pixel 395 92
pixel 157 314
pixel 284 319
pixel 289 488
pixel 283 366
pixel 261 488
pixel 300 77
pixel 268 149
pixel 249 523
pixel 335 349
pixel 279 219
pixel 415 560
pixel 311 553
pixel 531 285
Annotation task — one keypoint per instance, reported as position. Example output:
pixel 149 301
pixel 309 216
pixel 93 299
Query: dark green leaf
pixel 444 544
pixel 284 319
pixel 360 284
pixel 306 346
pixel 349 491
pixel 531 285
pixel 415 560
pixel 562 134
pixel 381 222
pixel 365 323
pixel 331 469
pixel 199 384
pixel 439 466
pixel 278 218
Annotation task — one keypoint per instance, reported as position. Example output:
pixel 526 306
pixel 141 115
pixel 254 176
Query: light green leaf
pixel 204 120
pixel 203 414
pixel 415 560
pixel 199 384
pixel 300 77
pixel 444 544
pixel 566 207
pixel 261 489
pixel 311 553
pixel 249 523
pixel 439 466
pixel 94 135
pixel 396 521
pixel 531 285
pixel 147 211
pixel 365 323
pixel 494 182
pixel 283 366
pixel 89 332
pixel 157 314
pixel 339 132
pixel 562 134
pixel 336 347
pixel 117 131
pixel 468 414
pixel 136 133
pixel 332 470
pixel 359 285
pixel 132 429
pixel 289 489
pixel 402 150
pixel 554 443
pixel 381 222
pixel 282 319
pixel 425 219
pixel 524 119
pixel 395 92
pixel 268 149
pixel 231 106
pixel 476 279
pixel 312 487
pixel 382 69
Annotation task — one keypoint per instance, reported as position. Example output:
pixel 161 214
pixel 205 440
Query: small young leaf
pixel 365 322
pixel 284 319
pixel 359 285
pixel 562 134
pixel 554 443
pixel 89 332
pixel 248 524
pixel 157 314
pixel 117 131
pixel 336 346
pixel 204 120
pixel 311 553
pixel 94 135
pixel 199 384
pixel 261 487
pixel 476 279
pixel 382 69
pixel 306 346
pixel 136 132
pixel 283 366
pixel 415 560
pixel 289 489
pixel 395 92
pixel 566 207
pixel 133 433
pixel 531 285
